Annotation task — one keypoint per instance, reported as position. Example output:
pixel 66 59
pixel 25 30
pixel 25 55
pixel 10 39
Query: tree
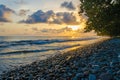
pixel 103 16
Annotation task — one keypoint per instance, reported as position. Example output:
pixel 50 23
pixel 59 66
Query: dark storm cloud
pixel 51 17
pixel 4 13
pixel 68 5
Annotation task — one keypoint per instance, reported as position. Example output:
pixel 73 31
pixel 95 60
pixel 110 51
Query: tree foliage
pixel 103 16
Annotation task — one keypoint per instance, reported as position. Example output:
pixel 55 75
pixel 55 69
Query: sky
pixel 40 17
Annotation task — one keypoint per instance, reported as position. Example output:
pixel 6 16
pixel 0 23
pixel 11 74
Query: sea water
pixel 22 50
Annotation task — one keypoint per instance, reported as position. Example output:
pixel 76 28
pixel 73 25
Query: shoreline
pixel 86 62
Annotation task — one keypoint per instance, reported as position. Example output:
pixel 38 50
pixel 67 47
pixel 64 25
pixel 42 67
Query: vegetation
pixel 103 16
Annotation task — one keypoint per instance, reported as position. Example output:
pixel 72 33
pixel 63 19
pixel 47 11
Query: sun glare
pixel 74 27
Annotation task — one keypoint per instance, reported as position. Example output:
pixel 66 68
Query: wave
pixel 6 44
pixel 36 51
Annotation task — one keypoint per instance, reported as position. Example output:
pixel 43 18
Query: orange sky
pixel 63 14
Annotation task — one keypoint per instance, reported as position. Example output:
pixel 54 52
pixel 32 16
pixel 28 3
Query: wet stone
pixel 94 62
pixel 106 76
pixel 92 77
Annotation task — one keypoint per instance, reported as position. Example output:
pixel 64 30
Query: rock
pixel 114 62
pixel 91 63
pixel 41 79
pixel 78 76
pixel 86 73
pixel 95 68
pixel 92 77
pixel 30 77
pixel 57 66
pixel 109 71
pixel 10 78
pixel 118 72
pixel 69 74
pixel 106 76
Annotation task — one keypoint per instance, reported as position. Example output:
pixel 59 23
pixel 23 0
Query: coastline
pixel 95 61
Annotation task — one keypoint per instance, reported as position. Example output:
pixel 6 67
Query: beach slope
pixel 100 60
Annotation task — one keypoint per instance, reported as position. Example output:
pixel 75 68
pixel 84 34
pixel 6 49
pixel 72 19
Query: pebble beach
pixel 98 61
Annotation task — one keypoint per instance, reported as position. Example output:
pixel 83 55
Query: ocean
pixel 22 50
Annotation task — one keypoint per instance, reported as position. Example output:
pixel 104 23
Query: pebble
pixel 78 76
pixel 106 76
pixel 92 77
pixel 93 62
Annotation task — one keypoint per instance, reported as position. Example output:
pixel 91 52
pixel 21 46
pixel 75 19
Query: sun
pixel 74 27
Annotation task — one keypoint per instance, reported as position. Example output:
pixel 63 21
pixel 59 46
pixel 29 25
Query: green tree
pixel 103 16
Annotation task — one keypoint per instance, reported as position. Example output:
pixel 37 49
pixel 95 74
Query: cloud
pixel 2 30
pixel 38 17
pixel 51 17
pixel 23 12
pixel 1 23
pixel 65 17
pixel 35 29
pixel 68 5
pixel 56 30
pixel 5 13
